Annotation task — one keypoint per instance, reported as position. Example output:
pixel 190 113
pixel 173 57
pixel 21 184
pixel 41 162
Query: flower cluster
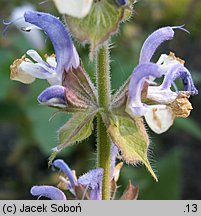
pixel 87 186
pixel 163 104
pixel 91 181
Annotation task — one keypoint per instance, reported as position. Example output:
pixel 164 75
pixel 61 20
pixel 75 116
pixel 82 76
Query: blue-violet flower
pixel 163 104
pixel 26 70
pixel 91 181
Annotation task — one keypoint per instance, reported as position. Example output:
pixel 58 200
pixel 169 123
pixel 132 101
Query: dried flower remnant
pixel 181 107
pixel 17 73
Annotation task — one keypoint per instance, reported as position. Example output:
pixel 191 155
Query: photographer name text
pixel 43 208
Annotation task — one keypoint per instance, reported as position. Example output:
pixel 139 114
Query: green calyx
pixel 102 22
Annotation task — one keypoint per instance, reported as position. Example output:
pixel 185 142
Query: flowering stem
pixel 103 141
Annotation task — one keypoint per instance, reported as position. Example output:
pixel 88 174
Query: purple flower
pixel 167 104
pixel 122 2
pixel 91 181
pixel 65 168
pixel 26 70
pixel 53 96
pixel 114 152
pixel 48 191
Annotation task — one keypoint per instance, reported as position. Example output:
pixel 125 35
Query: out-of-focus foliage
pixel 27 135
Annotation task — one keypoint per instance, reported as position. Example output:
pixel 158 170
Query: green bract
pixel 78 128
pixel 131 138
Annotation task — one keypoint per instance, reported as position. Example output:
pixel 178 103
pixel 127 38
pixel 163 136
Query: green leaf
pixel 131 138
pixel 78 128
pixel 102 21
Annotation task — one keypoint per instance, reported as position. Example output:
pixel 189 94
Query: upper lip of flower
pixel 59 36
pixel 169 66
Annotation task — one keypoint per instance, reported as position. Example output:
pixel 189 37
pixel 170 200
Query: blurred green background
pixel 27 136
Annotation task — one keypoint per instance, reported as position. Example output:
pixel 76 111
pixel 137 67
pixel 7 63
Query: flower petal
pixel 162 96
pixel 122 2
pixel 51 60
pixel 96 194
pixel 50 192
pixel 114 152
pixel 153 42
pixel 92 179
pixel 78 8
pixel 57 33
pixel 182 72
pixel 167 61
pixel 65 168
pixel 36 70
pixel 35 56
pixel 159 118
pixel 53 96
pixel 135 106
pixel 75 58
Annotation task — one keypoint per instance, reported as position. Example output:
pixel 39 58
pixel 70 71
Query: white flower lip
pixel 159 118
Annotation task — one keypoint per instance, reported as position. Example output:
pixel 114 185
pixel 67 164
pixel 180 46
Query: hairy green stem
pixel 103 141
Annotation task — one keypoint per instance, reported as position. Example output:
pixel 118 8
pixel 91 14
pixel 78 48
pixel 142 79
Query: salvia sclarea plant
pixel 120 117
